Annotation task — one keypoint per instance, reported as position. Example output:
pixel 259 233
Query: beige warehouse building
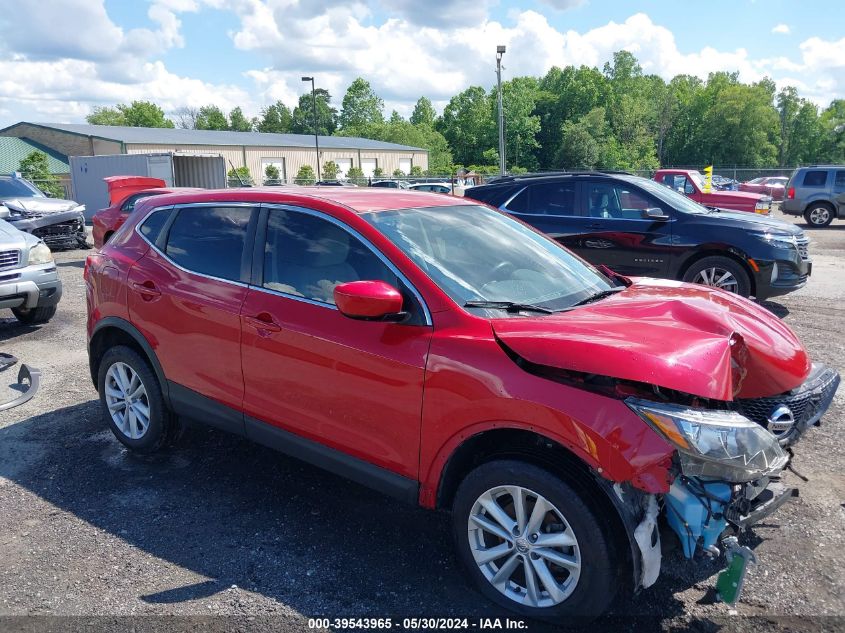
pixel 255 150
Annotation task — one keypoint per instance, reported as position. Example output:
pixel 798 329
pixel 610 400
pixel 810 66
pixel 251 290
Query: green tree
pixel 378 172
pixel 239 123
pixel 832 122
pixel 519 99
pixel 272 174
pixel 578 149
pixel 468 126
pixel 398 173
pixel 136 114
pixel 275 118
pixel 239 175
pixel 416 170
pixel 330 170
pixel 355 175
pixel 210 117
pixel 361 106
pixel 305 176
pixel 36 168
pixel 424 113
pixel 302 118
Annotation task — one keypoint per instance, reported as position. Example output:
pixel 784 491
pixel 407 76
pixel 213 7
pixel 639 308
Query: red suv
pixel 443 352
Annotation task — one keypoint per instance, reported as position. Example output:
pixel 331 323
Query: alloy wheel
pixel 524 546
pixel 718 278
pixel 126 398
pixel 819 215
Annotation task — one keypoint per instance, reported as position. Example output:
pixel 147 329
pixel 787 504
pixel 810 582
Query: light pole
pixel 316 137
pixel 500 50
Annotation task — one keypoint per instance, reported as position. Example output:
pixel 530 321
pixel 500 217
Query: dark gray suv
pixel 817 193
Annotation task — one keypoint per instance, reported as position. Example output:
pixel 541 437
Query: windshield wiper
pixel 508 306
pixel 599 295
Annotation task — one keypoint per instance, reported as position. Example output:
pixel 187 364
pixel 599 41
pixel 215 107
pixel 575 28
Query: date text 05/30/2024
pixel 481 624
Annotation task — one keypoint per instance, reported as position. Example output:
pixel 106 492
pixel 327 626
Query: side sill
pixel 194 406
pixel 334 461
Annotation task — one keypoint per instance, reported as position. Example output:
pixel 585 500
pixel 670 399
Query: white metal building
pixel 255 150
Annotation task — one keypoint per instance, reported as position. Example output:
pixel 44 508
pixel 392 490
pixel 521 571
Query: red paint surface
pixel 121 187
pixel 735 200
pixel 405 397
pixel 367 299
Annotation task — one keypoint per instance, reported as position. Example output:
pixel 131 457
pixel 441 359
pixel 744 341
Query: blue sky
pixel 252 52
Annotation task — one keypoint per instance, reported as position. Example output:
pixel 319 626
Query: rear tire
pixel 132 402
pixel 34 316
pixel 576 589
pixel 720 272
pixel 818 215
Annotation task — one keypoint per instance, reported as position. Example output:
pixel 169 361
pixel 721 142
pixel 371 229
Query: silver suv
pixel 29 281
pixel 817 193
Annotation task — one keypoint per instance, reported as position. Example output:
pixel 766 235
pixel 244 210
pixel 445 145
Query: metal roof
pixel 13 150
pixel 175 136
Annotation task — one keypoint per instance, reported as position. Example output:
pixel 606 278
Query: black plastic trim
pixel 192 405
pixel 131 330
pixel 337 462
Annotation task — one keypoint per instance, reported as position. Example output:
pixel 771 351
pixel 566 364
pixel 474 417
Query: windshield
pixel 17 188
pixel 671 197
pixel 476 254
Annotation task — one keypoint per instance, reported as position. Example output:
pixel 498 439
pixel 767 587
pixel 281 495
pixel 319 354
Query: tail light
pixel 790 193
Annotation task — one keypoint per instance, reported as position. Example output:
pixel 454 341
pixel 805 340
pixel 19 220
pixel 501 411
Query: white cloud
pixel 782 29
pixel 405 52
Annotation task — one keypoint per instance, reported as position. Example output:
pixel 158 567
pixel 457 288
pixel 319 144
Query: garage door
pixel 343 166
pixel 405 165
pixel 368 166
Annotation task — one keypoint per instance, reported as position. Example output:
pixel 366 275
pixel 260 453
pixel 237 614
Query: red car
pixel 124 192
pixel 443 352
pixel 691 183
pixel 773 186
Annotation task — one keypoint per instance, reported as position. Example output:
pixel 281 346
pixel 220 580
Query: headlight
pixel 80 208
pixel 40 254
pixel 719 444
pixel 780 241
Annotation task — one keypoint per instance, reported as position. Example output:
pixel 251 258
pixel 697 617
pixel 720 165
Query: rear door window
pixel 210 241
pixel 840 179
pixel 552 198
pixel 815 178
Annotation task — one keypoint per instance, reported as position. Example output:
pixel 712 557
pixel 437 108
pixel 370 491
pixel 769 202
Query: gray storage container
pixel 176 169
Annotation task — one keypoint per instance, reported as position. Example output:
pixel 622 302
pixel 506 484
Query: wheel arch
pixel 113 331
pixel 727 252
pixel 543 452
pixel 824 203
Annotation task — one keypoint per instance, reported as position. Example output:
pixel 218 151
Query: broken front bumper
pixel 58 230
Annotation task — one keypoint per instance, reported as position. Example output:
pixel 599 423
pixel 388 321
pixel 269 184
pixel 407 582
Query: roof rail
pixel 550 174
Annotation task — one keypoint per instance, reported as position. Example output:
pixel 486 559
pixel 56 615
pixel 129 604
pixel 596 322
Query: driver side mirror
pixel 654 213
pixel 369 301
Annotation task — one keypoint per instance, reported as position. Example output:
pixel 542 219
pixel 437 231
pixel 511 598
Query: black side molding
pixel 194 406
pixel 334 461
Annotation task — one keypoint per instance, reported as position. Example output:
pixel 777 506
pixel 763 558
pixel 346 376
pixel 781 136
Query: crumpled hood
pixel 693 339
pixel 38 205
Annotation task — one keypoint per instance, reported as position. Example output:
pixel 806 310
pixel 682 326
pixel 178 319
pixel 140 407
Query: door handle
pixel 263 321
pixel 146 289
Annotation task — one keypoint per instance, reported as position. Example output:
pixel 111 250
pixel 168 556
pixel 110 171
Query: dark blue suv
pixel 638 227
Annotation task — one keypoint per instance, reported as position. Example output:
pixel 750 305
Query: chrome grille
pixel 9 259
pixel 807 403
pixel 803 245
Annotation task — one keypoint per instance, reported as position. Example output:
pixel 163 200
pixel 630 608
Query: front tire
pixel 34 316
pixel 818 215
pixel 532 544
pixel 132 401
pixel 720 272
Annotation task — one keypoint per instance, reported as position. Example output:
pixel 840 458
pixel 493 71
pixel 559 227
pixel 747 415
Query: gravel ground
pixel 222 527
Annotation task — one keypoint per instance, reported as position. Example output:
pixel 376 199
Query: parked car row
pixel 638 227
pixel 445 352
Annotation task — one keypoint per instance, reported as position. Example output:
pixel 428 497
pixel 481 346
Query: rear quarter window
pixel 815 178
pixel 152 226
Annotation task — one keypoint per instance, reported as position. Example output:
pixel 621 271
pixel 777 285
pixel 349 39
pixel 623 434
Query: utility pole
pixel 316 127
pixel 500 50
